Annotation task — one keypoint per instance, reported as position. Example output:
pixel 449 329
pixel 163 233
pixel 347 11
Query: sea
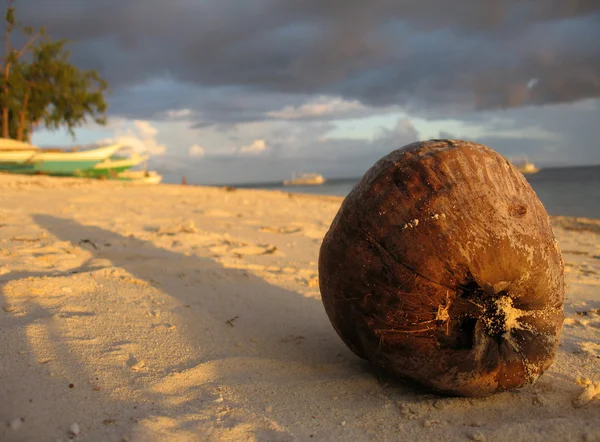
pixel 567 191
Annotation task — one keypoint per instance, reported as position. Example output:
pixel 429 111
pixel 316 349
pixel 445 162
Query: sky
pixel 253 90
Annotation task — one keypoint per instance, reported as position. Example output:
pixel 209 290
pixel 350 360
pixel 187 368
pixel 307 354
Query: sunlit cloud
pixel 179 113
pixel 255 148
pixel 142 137
pixel 196 151
pixel 319 107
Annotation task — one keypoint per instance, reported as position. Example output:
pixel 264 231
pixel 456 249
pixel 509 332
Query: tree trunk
pixel 6 73
pixel 5 107
pixel 23 114
pixel 5 122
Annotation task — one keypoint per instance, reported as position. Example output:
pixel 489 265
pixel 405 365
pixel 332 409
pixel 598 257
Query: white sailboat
pixel 306 179
pixel 527 167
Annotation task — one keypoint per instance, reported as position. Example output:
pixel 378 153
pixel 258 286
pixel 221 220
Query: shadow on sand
pixel 271 324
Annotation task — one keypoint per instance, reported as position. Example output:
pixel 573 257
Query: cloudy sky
pixel 255 89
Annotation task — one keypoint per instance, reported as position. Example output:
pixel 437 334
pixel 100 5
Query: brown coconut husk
pixel 441 267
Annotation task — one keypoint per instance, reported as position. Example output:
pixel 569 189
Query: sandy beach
pixel 155 313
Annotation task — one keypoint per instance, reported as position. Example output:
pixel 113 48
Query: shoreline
pixel 12 181
pixel 170 312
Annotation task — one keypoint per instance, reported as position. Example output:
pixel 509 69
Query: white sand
pixel 184 313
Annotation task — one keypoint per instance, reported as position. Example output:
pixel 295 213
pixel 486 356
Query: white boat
pixel 68 162
pixel 18 157
pixel 306 179
pixel 140 176
pixel 74 154
pixel 526 167
pixel 15 152
pixel 112 166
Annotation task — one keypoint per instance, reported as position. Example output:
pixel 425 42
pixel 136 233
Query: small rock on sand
pixel 74 429
pixel 16 423
pixel 138 366
pixel 477 436
pixel 8 308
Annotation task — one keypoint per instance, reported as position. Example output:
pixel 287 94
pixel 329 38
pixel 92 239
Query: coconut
pixel 441 268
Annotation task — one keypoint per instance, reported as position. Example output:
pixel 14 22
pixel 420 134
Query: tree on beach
pixel 39 85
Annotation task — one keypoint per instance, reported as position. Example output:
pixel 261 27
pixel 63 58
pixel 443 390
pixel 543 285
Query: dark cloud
pixel 432 56
pixel 549 135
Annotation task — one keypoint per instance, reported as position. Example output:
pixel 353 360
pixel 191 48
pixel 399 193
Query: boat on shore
pixel 13 152
pixel 101 162
pixel 60 162
pixel 113 166
pixel 526 167
pixel 306 179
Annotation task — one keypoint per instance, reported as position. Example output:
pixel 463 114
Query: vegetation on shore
pixel 40 87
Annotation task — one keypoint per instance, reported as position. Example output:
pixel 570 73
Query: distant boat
pixel 306 179
pixel 63 162
pixel 526 167
pixel 140 176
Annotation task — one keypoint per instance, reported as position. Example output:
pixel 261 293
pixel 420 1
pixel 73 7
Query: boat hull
pixel 63 163
pixel 22 167
pixel 303 183
pixel 112 167
pixel 14 153
pixel 310 179
pixel 526 167
pixel 15 156
pixel 528 170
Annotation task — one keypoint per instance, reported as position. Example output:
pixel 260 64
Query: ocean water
pixel 568 191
